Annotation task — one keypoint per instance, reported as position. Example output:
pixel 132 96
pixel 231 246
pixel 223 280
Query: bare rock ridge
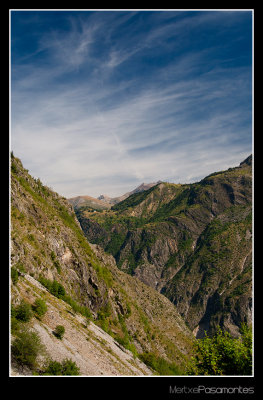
pixel 191 242
pixel 104 201
pixel 111 319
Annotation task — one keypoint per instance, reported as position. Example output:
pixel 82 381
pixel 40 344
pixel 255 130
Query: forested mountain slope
pixel 191 242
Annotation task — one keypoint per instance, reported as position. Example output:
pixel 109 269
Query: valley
pixel 192 243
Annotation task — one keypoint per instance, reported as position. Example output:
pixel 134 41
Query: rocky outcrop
pixel 47 243
pixel 189 242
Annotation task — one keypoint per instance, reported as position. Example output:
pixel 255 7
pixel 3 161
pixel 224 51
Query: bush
pixel 59 331
pixel 23 312
pixel 67 367
pixel 57 289
pixel 26 348
pixel 14 275
pixel 223 355
pixel 159 364
pixel 15 325
pixel 40 307
pixel 54 287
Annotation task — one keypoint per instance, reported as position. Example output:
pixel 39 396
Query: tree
pixel 40 307
pixel 23 312
pixel 223 354
pixel 27 347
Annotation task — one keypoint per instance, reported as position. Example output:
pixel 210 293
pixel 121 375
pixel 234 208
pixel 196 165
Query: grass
pixel 159 364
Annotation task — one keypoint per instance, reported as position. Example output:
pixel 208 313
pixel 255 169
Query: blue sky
pixel 102 101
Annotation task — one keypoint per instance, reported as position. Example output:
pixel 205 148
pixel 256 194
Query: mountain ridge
pixel 105 202
pixel 174 232
pixel 120 316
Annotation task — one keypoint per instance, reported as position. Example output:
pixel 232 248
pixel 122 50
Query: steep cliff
pixel 124 314
pixel 191 242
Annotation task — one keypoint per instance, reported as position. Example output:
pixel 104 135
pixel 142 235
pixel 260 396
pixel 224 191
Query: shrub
pixel 40 307
pixel 67 367
pixel 223 355
pixel 15 325
pixel 57 289
pixel 23 312
pixel 14 275
pixel 54 287
pixel 26 348
pixel 159 364
pixel 59 331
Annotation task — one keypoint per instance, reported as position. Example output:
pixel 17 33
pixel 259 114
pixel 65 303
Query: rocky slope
pixel 94 351
pixel 192 243
pixel 89 202
pixel 104 202
pixel 47 245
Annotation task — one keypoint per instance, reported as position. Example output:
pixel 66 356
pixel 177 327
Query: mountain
pixel 104 202
pixel 191 242
pixel 115 200
pixel 89 202
pixel 113 322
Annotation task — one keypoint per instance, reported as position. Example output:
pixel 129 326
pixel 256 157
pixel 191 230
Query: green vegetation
pixel 67 367
pixel 223 355
pixel 55 261
pixel 132 200
pixel 159 364
pixel 59 331
pixel 27 347
pixel 23 312
pixel 54 287
pixel 14 275
pixel 39 307
pixel 59 291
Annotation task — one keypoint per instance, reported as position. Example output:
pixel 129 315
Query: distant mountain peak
pixel 114 200
pixel 247 161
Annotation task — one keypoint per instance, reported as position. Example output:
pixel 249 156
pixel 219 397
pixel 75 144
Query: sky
pixel 102 101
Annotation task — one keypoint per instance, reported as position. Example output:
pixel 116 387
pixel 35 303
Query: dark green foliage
pixel 159 364
pixel 14 275
pixel 23 312
pixel 59 291
pixel 223 355
pixel 15 325
pixel 59 331
pixel 115 243
pixel 40 307
pixel 53 287
pixel 66 367
pixel 26 348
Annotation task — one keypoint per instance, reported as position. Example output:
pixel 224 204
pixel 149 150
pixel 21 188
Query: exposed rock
pixel 49 243
pixel 190 242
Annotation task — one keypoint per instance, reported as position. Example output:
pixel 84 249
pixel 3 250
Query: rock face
pixel 192 243
pixel 126 315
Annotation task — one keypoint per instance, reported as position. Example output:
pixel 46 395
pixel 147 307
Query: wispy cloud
pixel 102 111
